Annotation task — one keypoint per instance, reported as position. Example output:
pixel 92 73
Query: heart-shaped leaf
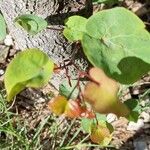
pixel 101 133
pixel 87 123
pixel 2 28
pixel 120 48
pixel 75 27
pixel 31 23
pixel 30 68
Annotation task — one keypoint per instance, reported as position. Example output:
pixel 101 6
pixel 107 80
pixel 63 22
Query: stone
pixel 8 41
pixel 132 126
pixel 3 53
pixel 1 72
pixel 111 118
pixel 145 116
pixel 139 144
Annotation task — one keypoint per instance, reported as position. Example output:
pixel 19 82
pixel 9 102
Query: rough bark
pixel 51 41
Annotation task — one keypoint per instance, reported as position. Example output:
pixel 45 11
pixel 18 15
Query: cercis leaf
pixel 87 123
pixel 100 130
pixel 101 133
pixel 2 28
pixel 75 27
pixel 121 49
pixel 30 68
pixel 31 23
pixel 68 90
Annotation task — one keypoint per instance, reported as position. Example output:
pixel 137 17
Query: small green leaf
pixel 69 91
pixel 101 117
pixel 2 28
pixel 30 68
pixel 135 108
pixel 133 116
pixel 31 23
pixel 87 124
pixel 75 27
pixel 133 104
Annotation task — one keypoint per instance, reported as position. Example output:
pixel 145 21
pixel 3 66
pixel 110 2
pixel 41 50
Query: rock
pixel 111 118
pixel 41 100
pixel 145 116
pixel 140 145
pixel 146 126
pixel 143 103
pixel 3 53
pixel 1 72
pixel 132 126
pixel 8 41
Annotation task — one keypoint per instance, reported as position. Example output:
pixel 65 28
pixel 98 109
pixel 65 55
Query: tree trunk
pixel 51 41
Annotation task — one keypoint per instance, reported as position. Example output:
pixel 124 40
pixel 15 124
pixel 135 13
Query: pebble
pixel 41 100
pixel 140 145
pixel 8 41
pixel 143 103
pixel 1 72
pixel 132 126
pixel 111 118
pixel 145 116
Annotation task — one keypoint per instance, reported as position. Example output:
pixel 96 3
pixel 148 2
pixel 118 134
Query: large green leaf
pixel 75 27
pixel 117 42
pixel 31 23
pixel 2 28
pixel 30 68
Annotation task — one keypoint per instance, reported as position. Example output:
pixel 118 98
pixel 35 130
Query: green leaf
pixel 31 23
pixel 69 91
pixel 133 116
pixel 2 28
pixel 30 68
pixel 133 104
pixel 135 108
pixel 120 48
pixel 75 27
pixel 101 117
pixel 86 124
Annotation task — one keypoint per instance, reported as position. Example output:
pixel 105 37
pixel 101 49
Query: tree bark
pixel 50 41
